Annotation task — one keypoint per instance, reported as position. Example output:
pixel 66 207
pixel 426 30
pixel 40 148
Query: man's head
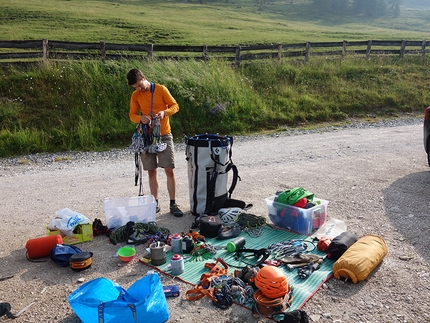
pixel 137 80
pixel 134 76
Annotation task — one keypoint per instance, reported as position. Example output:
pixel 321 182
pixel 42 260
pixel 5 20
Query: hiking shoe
pixel 229 232
pixel 157 209
pixel 174 209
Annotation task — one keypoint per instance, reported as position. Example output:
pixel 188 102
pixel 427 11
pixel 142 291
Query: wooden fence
pixel 30 50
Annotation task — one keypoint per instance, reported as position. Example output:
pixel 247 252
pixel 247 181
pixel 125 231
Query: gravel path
pixel 375 177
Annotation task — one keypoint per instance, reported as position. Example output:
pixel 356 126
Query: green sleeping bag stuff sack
pixel 361 258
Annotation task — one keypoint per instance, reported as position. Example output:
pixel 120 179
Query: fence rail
pixel 44 50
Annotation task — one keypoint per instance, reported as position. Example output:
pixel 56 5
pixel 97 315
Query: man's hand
pixel 145 119
pixel 160 115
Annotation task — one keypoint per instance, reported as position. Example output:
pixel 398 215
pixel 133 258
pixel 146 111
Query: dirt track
pixel 376 179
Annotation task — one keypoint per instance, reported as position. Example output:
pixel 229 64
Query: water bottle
pixel 187 244
pixel 237 243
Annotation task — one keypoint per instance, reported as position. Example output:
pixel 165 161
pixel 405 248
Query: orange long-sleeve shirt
pixel 140 104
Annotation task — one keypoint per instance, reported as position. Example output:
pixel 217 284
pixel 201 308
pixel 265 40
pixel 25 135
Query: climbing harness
pixel 205 286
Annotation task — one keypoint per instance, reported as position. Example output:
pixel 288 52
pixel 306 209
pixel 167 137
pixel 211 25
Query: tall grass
pixel 84 105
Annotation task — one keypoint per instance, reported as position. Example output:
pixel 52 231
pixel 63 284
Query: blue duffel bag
pixel 102 301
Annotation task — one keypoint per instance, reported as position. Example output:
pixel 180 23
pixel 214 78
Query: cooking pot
pixel 81 260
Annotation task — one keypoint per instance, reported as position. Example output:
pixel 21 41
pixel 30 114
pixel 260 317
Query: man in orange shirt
pixel 163 106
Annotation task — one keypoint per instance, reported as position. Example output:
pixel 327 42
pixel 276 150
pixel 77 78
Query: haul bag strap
pixel 234 179
pixel 210 194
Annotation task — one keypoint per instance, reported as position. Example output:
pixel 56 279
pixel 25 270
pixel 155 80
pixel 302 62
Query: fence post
pixel 344 48
pixel 308 51
pixel 103 50
pixel 279 53
pixel 369 47
pixel 402 48
pixel 423 48
pixel 151 51
pixel 237 57
pixel 205 52
pixel 45 50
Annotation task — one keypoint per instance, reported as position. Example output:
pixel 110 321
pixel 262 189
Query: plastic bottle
pixel 237 243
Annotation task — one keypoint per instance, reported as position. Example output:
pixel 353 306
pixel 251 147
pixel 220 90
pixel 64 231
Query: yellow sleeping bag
pixel 359 260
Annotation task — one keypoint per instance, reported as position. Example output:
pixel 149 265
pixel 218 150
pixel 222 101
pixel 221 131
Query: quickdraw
pixel 290 247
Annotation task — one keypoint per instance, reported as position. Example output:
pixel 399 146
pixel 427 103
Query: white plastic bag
pixel 332 228
pixel 67 220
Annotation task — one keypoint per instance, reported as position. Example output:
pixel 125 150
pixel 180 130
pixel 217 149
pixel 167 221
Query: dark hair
pixel 134 76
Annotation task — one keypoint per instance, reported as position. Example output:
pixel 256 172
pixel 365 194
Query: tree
pixel 369 8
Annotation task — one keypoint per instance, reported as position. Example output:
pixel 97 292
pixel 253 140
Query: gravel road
pixel 375 177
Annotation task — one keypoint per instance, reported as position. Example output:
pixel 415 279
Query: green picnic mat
pixel 303 289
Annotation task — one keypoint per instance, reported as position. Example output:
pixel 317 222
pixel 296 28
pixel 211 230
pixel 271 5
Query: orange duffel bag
pixel 361 258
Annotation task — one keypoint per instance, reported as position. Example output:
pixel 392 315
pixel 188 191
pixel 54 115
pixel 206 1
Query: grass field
pixel 83 105
pixel 190 23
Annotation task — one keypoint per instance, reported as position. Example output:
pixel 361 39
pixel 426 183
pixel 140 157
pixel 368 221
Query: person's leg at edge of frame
pixel 153 185
pixel 171 188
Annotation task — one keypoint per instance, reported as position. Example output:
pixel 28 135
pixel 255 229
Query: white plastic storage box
pixel 137 209
pixel 297 219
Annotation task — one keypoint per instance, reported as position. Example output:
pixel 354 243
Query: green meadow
pixel 83 105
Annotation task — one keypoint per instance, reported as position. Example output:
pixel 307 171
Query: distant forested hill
pixel 416 3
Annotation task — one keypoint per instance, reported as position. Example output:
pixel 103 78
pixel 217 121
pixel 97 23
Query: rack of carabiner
pixel 156 145
pixel 147 138
pixel 290 247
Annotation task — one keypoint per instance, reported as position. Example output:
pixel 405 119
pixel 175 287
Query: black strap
pixel 261 254
pixel 210 192
pixel 235 178
pixel 32 260
pixel 212 183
